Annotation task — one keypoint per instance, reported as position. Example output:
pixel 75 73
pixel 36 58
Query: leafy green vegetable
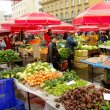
pixel 8 56
pixel 64 53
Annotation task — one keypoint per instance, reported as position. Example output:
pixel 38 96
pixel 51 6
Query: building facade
pixel 66 10
pixel 22 7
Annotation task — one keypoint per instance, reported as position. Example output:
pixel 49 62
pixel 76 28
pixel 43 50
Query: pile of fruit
pixel 99 59
pixel 35 41
pixel 83 98
pixel 86 47
pixel 59 85
pixel 39 77
pixel 8 55
pixel 33 68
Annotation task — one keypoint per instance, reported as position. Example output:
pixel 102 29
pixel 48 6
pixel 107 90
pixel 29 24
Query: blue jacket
pixel 70 43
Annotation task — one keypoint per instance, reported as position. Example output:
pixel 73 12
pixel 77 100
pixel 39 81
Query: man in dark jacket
pixel 70 44
pixel 53 53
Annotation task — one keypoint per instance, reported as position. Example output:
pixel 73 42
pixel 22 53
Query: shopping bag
pixel 3 44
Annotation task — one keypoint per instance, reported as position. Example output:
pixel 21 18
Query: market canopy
pixel 62 26
pixel 39 18
pixel 87 28
pixel 98 14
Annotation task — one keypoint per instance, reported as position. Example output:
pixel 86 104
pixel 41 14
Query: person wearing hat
pixel 70 44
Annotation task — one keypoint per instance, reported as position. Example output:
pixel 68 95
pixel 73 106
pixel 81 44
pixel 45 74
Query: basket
pixel 6 89
pixel 12 104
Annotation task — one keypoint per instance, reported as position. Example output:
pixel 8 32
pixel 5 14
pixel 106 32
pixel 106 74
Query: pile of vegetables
pixel 12 73
pixel 39 77
pixel 35 41
pixel 64 53
pixel 8 55
pixel 61 43
pixel 86 47
pixel 58 86
pixel 83 98
pixel 33 68
pixel 25 46
pixel 106 43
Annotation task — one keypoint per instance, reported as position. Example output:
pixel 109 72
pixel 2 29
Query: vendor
pixel 93 38
pixel 47 37
pixel 8 42
pixel 70 44
pixel 53 53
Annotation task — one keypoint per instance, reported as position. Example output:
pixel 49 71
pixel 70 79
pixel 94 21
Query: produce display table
pixel 92 65
pixel 86 54
pixel 50 104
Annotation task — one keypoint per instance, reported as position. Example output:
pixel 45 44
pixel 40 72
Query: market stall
pixel 101 62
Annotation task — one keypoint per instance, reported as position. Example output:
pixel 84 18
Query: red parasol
pixel 39 18
pixel 62 26
pixel 88 28
pixel 96 15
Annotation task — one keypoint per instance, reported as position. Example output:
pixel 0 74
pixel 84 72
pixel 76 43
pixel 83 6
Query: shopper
pixel 70 44
pixel 102 37
pixel 8 42
pixel 53 53
pixel 109 36
pixel 47 37
pixel 65 36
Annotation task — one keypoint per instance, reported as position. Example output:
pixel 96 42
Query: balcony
pixel 44 2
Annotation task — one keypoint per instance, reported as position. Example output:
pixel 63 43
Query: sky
pixel 6 6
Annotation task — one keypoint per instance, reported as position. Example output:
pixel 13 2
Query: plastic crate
pixel 12 104
pixel 6 89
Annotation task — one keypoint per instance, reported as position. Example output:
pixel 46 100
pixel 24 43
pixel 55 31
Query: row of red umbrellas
pixel 94 18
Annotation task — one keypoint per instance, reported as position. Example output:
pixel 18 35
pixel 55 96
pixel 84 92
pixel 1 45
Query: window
pixel 72 2
pixel 56 5
pixel 72 14
pixel 67 16
pixel 57 16
pixel 107 0
pixel 86 1
pixel 78 12
pixel 66 3
pixel 79 2
pixel 61 5
pixel 61 15
pixel 48 9
pixel 51 7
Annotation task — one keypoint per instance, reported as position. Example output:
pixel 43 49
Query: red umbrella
pixel 88 28
pixel 62 26
pixel 39 18
pixel 96 15
pixel 3 30
pixel 36 31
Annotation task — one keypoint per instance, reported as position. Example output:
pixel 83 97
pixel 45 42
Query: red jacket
pixel 47 39
pixel 8 42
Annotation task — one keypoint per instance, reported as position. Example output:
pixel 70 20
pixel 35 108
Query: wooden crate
pixel 80 65
pixel 78 59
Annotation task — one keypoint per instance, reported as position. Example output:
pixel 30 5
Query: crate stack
pixel 80 55
pixel 7 96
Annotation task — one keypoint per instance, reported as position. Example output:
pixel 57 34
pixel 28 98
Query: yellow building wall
pixel 56 7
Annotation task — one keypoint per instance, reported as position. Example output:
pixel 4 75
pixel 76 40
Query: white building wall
pixel 25 6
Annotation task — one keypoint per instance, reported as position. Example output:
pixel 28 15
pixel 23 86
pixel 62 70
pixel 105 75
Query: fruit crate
pixel 6 89
pixel 12 104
